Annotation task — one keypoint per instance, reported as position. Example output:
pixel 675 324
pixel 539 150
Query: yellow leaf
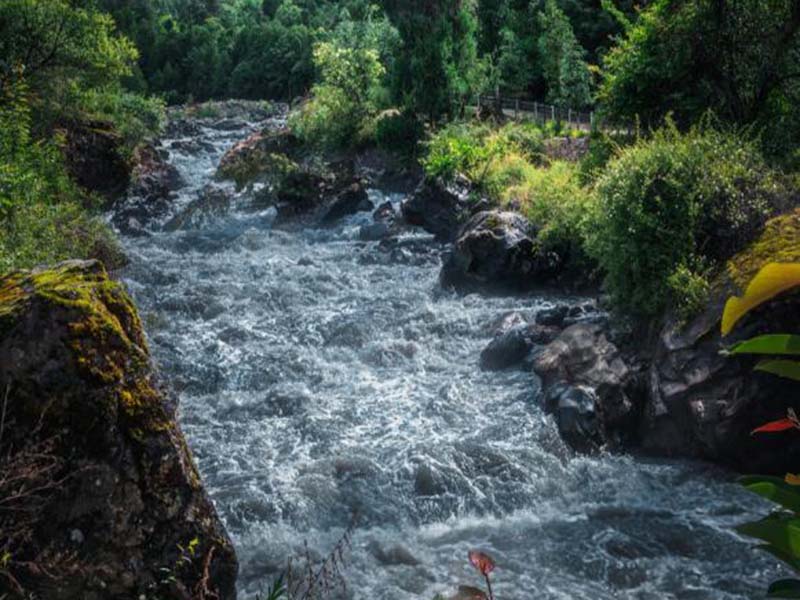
pixel 792 479
pixel 770 281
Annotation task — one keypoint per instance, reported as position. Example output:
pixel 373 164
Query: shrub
pixel 135 117
pixel 674 201
pixel 398 132
pixel 344 100
pixel 43 214
pixel 42 233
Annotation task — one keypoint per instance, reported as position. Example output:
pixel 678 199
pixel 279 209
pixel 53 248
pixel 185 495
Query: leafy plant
pixel 676 200
pixel 780 531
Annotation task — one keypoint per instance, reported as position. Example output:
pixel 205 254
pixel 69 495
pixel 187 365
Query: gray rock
pixel 439 208
pixel 583 357
pixel 349 201
pixel 497 249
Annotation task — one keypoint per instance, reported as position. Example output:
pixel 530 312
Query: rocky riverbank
pixel 667 390
pixel 108 502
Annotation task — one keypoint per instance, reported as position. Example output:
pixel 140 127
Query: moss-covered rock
pixel 269 154
pixel 705 404
pixel 129 508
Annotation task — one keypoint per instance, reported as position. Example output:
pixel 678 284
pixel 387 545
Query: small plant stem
pixel 489 587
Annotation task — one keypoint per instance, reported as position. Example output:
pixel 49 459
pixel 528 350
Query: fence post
pixel 569 118
pixel 552 113
pixel 591 120
pixel 516 109
pixel 535 112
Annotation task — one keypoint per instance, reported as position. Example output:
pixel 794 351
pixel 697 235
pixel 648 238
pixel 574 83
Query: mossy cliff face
pixel 75 367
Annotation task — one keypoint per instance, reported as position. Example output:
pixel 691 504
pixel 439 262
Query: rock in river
pixel 120 508
pixel 498 249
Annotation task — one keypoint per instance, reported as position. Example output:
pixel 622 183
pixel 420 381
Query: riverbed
pixel 322 378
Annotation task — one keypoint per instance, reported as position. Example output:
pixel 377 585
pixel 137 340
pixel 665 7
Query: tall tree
pixel 562 58
pixel 438 67
pixel 739 59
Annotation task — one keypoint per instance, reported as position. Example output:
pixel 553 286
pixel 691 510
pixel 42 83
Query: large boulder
pixel 705 404
pixel 269 153
pixel 114 506
pixel 151 193
pixel 593 391
pixel 439 208
pixel 94 159
pixel 498 249
pixel 350 200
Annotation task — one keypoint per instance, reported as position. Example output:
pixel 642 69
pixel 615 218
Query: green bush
pixel 398 132
pixel 135 117
pixel 458 148
pixel 345 100
pixel 672 202
pixel 43 214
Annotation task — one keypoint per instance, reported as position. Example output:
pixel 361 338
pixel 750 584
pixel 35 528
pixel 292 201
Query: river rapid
pixel 321 376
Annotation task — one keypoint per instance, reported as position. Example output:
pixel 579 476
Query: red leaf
pixel 780 425
pixel 482 562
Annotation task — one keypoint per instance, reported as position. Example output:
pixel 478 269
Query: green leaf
pixel 769 344
pixel 790 369
pixel 784 588
pixel 775 489
pixel 780 531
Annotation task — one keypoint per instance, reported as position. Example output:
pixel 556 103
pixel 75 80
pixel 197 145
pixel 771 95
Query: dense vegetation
pixel 712 85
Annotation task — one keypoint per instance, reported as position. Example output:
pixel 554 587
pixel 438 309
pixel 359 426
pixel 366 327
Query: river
pixel 320 376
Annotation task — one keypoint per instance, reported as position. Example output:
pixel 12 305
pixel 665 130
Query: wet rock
pixel 385 213
pixel 349 201
pixel 507 349
pixel 374 232
pixel 211 202
pixel 300 192
pixel 575 411
pixel 554 316
pixel 438 208
pixel 392 555
pixel 583 357
pixel 497 249
pixel 512 346
pixel 428 481
pixel 76 365
pixel 704 404
pixel 151 193
pixel 268 152
pixel 93 156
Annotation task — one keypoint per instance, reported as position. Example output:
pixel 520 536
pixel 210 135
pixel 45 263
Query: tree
pixel 58 45
pixel 438 66
pixel 739 59
pixel 344 99
pixel 562 58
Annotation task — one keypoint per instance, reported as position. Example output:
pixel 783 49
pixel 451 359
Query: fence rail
pixel 540 112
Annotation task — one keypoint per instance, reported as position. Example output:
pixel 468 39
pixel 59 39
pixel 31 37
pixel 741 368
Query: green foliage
pixel 690 289
pixel 42 214
pixel 137 118
pixel 60 48
pixel 602 149
pixel 736 58
pixel 344 98
pixel 398 132
pixel 439 68
pixel 562 57
pixel 671 203
pixel 508 166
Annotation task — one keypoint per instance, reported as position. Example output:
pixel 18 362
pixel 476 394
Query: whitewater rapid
pixel 321 376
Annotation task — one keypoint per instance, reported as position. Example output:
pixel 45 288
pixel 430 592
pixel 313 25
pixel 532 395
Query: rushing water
pixel 321 376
